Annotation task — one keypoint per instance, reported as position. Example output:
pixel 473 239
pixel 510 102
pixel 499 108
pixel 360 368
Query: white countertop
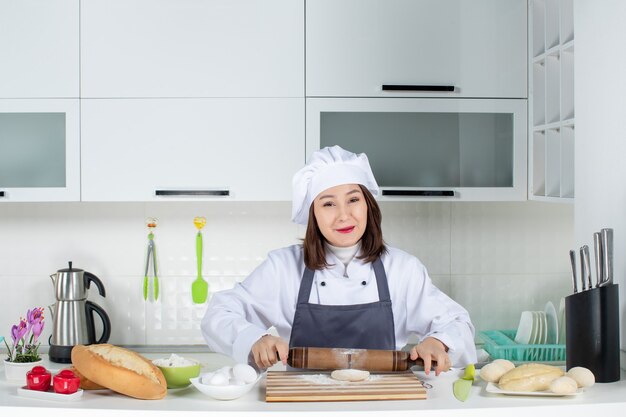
pixel 601 399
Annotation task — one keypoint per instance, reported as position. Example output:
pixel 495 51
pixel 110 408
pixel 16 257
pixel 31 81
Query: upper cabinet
pixel 192 48
pixel 430 148
pixel 416 48
pixel 177 149
pixel 39 150
pixel 39 48
pixel 551 100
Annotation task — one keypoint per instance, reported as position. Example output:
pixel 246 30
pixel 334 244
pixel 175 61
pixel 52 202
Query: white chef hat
pixel 328 167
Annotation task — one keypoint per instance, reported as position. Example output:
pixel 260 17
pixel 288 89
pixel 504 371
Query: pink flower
pixel 19 331
pixel 37 329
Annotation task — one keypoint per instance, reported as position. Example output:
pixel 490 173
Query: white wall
pixel 600 95
pixel 496 259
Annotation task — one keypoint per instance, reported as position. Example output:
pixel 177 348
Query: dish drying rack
pixel 500 344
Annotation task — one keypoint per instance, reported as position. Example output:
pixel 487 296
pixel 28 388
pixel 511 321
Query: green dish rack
pixel 500 344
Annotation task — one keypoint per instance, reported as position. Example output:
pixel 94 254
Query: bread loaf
pixel 120 370
pixel 530 377
pixel 85 383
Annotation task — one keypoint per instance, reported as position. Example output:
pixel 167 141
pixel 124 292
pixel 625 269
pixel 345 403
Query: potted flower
pixel 23 355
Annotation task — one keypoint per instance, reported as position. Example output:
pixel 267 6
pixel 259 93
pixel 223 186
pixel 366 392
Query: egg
pixel 244 373
pixel 218 379
pixel 227 371
pixel 205 378
pixel 237 382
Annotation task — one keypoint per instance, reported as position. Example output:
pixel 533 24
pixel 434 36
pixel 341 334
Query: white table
pixel 599 400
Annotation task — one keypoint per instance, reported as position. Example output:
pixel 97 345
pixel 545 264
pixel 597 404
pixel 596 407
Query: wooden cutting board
pixel 295 386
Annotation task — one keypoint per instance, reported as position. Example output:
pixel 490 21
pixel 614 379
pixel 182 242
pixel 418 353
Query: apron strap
pixel 305 286
pixel 381 280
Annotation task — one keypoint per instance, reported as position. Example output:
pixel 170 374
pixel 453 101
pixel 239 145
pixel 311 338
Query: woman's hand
pixel 268 350
pixel 430 350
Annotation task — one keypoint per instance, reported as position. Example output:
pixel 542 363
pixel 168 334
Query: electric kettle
pixel 73 315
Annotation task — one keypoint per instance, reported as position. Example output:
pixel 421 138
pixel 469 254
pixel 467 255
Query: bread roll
pixel 506 364
pixel 85 383
pixel 583 376
pixel 530 377
pixel 120 370
pixel 494 370
pixel 563 385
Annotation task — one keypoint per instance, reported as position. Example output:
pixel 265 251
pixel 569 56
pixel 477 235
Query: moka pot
pixel 73 314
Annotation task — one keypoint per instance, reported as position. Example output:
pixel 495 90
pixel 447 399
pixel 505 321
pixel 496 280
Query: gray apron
pixel 356 326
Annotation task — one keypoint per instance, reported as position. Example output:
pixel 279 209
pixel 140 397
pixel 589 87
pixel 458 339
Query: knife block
pixel 592 332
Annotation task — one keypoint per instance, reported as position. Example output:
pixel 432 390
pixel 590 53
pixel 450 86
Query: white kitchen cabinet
pixel 39 150
pixel 192 48
pixel 430 148
pixel 355 47
pixel 39 48
pixel 551 100
pixel 176 149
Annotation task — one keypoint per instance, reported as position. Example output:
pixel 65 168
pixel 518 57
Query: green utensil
pixel 462 387
pixel 199 287
pixel 151 223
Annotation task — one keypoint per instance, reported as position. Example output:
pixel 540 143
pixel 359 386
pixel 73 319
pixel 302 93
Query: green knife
pixel 463 386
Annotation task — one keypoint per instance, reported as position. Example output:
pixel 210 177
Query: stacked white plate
pixel 533 328
pixel 561 318
pixel 552 324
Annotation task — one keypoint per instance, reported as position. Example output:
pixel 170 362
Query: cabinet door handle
pixel 1 193
pixel 401 87
pixel 193 193
pixel 419 193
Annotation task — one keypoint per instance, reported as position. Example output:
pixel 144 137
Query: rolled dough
pixel 352 375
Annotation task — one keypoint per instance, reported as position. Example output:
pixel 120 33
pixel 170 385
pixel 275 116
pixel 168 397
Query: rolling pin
pixel 342 358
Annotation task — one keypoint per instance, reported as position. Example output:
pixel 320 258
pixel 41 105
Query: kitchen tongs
pixel 151 255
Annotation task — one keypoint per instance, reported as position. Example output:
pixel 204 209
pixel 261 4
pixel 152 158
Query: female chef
pixel 342 287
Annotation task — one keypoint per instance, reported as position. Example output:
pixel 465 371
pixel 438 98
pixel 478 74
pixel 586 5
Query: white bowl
pixel 223 392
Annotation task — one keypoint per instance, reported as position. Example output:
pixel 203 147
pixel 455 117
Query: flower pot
pixel 16 371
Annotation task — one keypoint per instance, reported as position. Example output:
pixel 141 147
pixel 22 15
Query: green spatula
pixel 199 287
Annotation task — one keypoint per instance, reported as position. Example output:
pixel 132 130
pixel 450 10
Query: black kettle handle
pixel 89 277
pixel 90 308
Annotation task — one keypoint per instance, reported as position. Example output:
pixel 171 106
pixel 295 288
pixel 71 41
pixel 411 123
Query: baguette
pixel 530 377
pixel 121 370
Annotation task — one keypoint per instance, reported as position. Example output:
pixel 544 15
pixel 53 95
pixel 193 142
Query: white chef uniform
pixel 237 318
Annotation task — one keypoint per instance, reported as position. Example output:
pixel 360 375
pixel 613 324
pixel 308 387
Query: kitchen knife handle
pixel 585 249
pixel 572 258
pixel 418 193
pixel 193 193
pixel 598 256
pixel 607 256
pixel 417 87
pixel 583 269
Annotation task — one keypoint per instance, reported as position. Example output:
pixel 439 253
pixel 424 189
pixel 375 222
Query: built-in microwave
pixel 430 149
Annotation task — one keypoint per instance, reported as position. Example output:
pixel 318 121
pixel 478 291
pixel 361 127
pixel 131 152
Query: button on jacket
pixel 235 319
